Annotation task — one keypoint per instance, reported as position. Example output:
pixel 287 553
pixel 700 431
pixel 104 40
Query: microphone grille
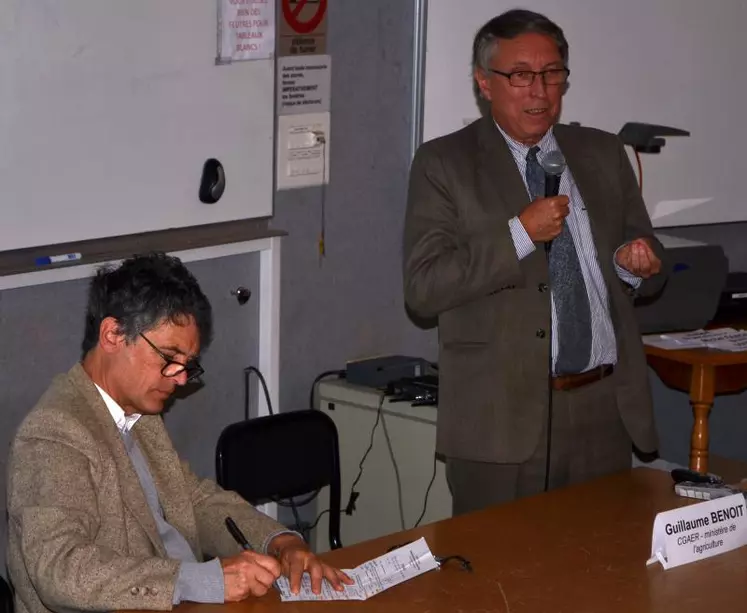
pixel 553 163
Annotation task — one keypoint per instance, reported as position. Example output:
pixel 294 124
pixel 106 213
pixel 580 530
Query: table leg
pixel 701 398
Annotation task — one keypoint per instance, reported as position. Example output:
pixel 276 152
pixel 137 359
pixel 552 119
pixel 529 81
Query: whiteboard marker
pixel 56 259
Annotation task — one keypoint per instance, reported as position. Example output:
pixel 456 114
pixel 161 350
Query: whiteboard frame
pixel 418 74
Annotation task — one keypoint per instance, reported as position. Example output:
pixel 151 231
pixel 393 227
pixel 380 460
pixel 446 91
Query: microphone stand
pixel 552 186
pixel 548 246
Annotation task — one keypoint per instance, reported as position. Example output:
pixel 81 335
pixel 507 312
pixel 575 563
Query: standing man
pixel 526 286
pixel 103 515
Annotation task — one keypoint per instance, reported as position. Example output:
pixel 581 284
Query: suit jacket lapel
pixel 589 180
pixel 497 175
pixel 102 425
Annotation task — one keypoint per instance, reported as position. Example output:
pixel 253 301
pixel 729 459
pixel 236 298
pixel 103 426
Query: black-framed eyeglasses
pixel 172 368
pixel 525 78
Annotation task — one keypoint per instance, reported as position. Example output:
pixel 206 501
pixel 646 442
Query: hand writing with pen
pixel 252 574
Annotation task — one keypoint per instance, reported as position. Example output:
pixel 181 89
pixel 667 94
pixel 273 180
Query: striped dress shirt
pixel 603 345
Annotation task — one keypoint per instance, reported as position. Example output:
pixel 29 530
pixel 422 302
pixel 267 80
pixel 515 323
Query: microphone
pixel 553 164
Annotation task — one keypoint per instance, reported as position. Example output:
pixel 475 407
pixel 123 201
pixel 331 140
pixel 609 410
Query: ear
pixel 483 83
pixel 110 337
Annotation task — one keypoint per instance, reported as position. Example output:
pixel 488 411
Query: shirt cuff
pixel 522 243
pixel 625 275
pixel 268 540
pixel 200 582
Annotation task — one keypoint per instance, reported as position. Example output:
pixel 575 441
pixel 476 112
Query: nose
pixel 181 378
pixel 538 89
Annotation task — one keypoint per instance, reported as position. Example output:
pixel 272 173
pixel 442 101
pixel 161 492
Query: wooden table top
pixel 577 550
pixel 711 357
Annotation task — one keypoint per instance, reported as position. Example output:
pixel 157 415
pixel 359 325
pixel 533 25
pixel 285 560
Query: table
pixel 702 373
pixel 581 549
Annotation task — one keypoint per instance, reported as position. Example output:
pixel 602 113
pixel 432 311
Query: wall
pixel 349 306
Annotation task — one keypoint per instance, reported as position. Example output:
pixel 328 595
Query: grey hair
pixel 510 25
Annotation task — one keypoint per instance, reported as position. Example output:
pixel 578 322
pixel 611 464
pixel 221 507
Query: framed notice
pixel 246 30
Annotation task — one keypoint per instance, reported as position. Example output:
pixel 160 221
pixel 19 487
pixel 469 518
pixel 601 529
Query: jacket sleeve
pixel 212 504
pixel 446 264
pixel 638 222
pixel 53 517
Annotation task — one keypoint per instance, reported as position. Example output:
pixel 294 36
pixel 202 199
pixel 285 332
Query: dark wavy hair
pixel 143 292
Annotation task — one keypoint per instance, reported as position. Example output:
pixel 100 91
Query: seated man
pixel 102 513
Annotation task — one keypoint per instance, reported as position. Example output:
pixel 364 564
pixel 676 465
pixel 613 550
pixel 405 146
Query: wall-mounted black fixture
pixel 213 182
pixel 242 294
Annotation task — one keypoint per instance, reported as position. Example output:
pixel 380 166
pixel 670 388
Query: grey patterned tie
pixel 568 287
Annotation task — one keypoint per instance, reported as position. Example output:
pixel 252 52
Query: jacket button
pixel 540 333
pixel 134 591
pixel 154 591
pixel 542 287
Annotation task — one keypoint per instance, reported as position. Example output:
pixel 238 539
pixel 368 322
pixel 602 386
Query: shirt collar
pixel 124 422
pixel 546 144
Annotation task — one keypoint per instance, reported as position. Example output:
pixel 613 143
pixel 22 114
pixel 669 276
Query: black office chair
pixel 6 597
pixel 280 456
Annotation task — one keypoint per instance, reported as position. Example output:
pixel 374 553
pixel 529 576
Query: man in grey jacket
pixel 103 515
pixel 533 294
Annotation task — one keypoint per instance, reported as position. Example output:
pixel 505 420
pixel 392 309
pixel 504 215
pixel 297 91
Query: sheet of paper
pixel 722 339
pixel 371 577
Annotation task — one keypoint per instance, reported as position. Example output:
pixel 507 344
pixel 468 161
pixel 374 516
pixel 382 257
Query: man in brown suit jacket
pixel 475 257
pixel 102 513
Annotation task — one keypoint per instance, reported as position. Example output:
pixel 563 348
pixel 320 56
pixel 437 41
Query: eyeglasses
pixel 525 78
pixel 172 368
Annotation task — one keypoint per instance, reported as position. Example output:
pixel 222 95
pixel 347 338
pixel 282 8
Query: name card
pixel 699 531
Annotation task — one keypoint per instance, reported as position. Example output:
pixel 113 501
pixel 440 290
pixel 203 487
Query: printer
pixel 697 275
pixel 732 307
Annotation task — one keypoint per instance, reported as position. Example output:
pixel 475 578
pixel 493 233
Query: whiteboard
pixel 108 111
pixel 676 63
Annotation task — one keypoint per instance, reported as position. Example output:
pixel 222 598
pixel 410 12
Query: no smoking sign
pixel 303 27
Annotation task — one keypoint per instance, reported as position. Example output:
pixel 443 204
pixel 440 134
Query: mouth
pixel 538 112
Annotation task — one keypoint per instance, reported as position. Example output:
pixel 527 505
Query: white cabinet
pixel 397 470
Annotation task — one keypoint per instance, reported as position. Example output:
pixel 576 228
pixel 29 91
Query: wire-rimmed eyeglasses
pixel 172 368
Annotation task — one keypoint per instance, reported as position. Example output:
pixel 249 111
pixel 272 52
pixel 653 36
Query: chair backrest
pixel 282 456
pixel 6 597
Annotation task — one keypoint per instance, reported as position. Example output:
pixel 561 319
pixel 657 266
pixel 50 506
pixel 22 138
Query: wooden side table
pixel 702 373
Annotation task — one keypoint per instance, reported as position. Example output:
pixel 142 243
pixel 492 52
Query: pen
pixel 238 535
pixel 56 259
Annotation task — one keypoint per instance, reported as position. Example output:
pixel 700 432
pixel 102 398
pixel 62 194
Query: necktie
pixel 572 310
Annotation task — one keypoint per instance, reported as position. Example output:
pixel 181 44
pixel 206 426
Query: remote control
pixel 704 491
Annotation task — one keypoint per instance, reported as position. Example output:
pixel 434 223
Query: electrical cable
pixel 318 517
pixel 317 379
pixel 321 140
pixel 247 371
pixel 350 507
pixel 427 491
pixel 396 474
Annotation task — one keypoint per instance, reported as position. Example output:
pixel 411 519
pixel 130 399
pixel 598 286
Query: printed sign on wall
pixel 303 27
pixel 246 30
